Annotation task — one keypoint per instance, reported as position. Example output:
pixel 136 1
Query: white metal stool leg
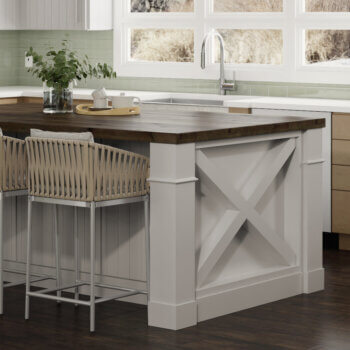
pixel 58 251
pixel 1 252
pixel 146 206
pixel 92 266
pixel 76 254
pixel 29 241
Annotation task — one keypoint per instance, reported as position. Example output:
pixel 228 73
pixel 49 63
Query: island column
pixel 313 271
pixel 172 236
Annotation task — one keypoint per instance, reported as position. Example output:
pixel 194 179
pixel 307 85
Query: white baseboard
pixel 173 317
pixel 314 281
pixel 249 296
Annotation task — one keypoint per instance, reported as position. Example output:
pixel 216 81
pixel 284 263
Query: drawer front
pixel 240 110
pixel 341 178
pixel 341 126
pixel 341 212
pixel 341 152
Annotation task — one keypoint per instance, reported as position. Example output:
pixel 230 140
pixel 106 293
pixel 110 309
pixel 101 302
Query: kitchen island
pixel 236 210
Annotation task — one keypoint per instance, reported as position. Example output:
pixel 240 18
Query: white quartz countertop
pixel 286 103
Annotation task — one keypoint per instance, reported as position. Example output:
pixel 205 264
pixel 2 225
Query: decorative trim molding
pixel 314 161
pixel 173 181
pixel 251 139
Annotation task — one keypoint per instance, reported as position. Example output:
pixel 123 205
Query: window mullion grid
pixel 291 49
pixel 293 22
pixel 199 29
pixel 317 20
pixel 244 22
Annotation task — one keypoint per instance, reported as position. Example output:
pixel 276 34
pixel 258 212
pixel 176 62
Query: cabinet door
pixel 341 152
pixel 8 11
pixel 99 15
pixel 341 126
pixel 68 14
pixel 56 14
pixel 35 14
pixel 341 212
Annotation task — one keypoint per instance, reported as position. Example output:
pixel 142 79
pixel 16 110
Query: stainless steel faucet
pixel 224 86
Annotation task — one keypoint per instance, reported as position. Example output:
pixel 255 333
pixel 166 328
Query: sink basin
pixel 185 102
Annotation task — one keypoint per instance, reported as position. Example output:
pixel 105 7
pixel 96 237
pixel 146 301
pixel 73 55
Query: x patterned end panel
pixel 231 221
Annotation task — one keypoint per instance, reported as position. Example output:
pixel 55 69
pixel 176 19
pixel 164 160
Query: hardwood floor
pixel 319 321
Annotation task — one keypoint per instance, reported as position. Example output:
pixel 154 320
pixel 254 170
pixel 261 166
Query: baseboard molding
pixel 173 317
pixel 315 281
pixel 249 296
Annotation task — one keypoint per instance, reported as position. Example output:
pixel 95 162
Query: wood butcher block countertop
pixel 159 126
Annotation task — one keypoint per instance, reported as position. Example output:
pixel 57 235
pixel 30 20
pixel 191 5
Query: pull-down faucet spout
pixel 223 85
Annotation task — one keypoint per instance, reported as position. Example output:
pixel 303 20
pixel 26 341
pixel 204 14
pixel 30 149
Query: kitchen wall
pixel 9 57
pixel 98 46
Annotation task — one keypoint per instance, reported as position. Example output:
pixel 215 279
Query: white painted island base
pixel 234 224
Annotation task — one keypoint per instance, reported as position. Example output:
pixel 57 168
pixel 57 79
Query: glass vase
pixel 58 101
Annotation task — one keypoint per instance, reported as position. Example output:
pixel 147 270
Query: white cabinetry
pixel 8 14
pixel 56 14
pixel 326 154
pixel 34 14
pixel 82 14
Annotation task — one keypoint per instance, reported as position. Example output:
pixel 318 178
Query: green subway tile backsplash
pixel 9 57
pixel 98 46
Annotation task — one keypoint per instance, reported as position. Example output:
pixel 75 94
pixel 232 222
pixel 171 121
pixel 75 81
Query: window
pixel 265 40
pixel 327 6
pixel 248 6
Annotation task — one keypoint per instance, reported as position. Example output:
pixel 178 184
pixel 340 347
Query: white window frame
pixel 293 21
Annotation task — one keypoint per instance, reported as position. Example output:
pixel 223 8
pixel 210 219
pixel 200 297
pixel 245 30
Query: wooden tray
pixel 85 109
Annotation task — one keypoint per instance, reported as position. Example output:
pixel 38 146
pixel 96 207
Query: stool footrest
pixel 19 272
pixel 34 280
pixel 109 286
pixel 38 278
pixel 115 297
pixel 53 297
pixel 67 286
pixel 44 293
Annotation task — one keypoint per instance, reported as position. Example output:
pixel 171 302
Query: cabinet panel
pixel 56 14
pixel 240 110
pixel 341 178
pixel 341 126
pixel 99 15
pixel 341 212
pixel 341 152
pixel 326 153
pixel 65 14
pixel 36 14
pixel 8 13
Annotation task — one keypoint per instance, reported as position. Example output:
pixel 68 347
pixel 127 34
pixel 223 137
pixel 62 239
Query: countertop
pixel 174 127
pixel 283 103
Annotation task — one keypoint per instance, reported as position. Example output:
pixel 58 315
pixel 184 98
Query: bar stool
pixel 70 169
pixel 13 173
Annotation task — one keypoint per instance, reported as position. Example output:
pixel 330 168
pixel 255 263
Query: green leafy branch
pixel 59 68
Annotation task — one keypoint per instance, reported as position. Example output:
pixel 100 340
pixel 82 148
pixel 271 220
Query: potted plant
pixel 58 70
